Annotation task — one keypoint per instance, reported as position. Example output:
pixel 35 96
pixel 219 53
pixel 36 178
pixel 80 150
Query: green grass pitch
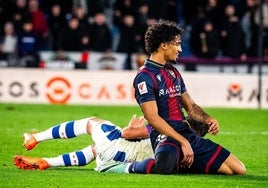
pixel 243 131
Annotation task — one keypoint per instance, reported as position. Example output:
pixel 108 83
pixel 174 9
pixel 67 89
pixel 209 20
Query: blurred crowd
pixel 228 28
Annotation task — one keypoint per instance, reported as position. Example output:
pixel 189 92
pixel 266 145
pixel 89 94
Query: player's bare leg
pixel 93 120
pixel 136 127
pixel 232 165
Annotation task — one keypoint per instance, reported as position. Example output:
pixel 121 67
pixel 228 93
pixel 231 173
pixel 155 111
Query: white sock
pixel 67 129
pixel 76 158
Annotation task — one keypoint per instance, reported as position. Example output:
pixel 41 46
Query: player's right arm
pixel 197 113
pixel 136 128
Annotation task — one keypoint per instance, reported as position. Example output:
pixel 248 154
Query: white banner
pixel 115 87
pixel 91 60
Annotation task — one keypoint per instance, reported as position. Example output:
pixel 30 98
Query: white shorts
pixel 111 147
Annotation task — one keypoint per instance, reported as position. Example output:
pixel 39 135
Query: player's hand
pixel 137 121
pixel 213 126
pixel 188 155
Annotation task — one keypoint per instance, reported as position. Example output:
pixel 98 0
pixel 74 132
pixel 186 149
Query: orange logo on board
pixel 58 90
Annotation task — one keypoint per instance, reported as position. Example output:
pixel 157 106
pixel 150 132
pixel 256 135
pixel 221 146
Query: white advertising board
pixel 115 87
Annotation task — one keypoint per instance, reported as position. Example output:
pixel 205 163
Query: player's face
pixel 174 49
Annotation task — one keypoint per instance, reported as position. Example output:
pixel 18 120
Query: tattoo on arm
pixel 198 114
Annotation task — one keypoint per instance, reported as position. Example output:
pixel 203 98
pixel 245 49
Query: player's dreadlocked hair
pixel 163 31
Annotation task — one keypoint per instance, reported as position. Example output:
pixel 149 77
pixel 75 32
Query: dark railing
pixel 220 60
pixel 191 62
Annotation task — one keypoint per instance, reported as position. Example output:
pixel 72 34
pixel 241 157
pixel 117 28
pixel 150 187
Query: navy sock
pixel 142 167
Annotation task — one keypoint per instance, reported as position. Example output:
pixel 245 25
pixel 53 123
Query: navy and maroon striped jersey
pixel 163 84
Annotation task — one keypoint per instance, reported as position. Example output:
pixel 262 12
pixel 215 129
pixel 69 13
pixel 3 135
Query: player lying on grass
pixel 112 144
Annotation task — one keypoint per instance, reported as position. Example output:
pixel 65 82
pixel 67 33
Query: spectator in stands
pixel 100 34
pixel 66 6
pixel 8 45
pixel 56 22
pixel 40 25
pixel 121 9
pixel 232 36
pixel 21 13
pixel 257 21
pixel 80 14
pixel 128 39
pixel 142 21
pixel 197 28
pixel 6 11
pixel 84 26
pixel 214 10
pixel 81 3
pixel 201 42
pixel 143 11
pixel 28 45
pixel 207 42
pixel 70 38
pixel 128 35
pixel 251 28
pixel 8 42
pixel 265 25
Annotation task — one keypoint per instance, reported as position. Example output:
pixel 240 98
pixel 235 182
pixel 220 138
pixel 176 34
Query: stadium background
pixel 73 72
pixel 92 82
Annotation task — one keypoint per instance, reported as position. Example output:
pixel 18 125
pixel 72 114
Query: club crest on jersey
pixel 142 88
pixel 172 73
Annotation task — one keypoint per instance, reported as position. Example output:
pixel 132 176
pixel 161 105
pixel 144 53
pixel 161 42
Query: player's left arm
pixel 136 128
pixel 197 113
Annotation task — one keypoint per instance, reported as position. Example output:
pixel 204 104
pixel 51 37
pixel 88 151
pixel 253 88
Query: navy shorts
pixel 208 155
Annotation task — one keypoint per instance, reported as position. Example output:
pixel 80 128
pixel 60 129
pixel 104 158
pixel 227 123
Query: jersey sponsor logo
pixel 142 88
pixel 171 91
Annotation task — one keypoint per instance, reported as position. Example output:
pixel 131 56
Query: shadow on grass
pixel 247 177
